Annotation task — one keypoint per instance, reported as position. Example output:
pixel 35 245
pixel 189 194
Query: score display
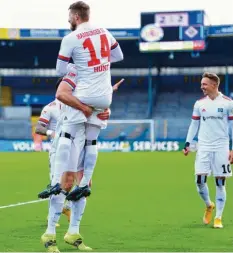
pixel 172 31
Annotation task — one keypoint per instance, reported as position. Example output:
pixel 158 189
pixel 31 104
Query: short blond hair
pixel 82 9
pixel 212 76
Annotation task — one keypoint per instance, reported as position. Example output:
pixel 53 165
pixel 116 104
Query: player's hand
pixel 87 110
pixel 117 85
pixel 186 151
pixel 231 156
pixel 186 148
pixel 104 115
pixel 53 135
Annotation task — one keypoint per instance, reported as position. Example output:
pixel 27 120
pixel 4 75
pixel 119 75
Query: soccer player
pixel 212 119
pixel 46 126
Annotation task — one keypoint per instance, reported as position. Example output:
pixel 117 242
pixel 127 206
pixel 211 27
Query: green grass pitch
pixel 140 202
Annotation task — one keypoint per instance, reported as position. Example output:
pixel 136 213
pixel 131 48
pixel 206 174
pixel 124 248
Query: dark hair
pixel 59 80
pixel 82 9
pixel 212 77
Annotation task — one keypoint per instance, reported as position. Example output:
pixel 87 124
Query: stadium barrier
pixel 104 146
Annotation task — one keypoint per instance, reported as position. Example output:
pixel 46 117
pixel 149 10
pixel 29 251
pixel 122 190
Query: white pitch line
pixel 23 203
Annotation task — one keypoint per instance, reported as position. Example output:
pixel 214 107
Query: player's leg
pixel 78 176
pixel 221 170
pixel 73 236
pixel 51 168
pixel 52 153
pixel 55 209
pixel 202 170
pixel 77 206
pixel 91 153
pixel 220 200
pixel 90 158
pixel 62 180
pixel 67 155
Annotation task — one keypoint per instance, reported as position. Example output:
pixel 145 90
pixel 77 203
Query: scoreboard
pixel 172 31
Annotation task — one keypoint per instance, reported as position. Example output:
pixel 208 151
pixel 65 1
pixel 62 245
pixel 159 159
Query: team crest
pixel 220 109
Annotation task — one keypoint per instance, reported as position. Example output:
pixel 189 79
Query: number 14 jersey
pixel 90 48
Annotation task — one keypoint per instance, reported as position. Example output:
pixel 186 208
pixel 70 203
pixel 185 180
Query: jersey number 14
pixel 104 51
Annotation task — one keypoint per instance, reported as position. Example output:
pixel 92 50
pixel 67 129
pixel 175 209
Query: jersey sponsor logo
pixel 212 117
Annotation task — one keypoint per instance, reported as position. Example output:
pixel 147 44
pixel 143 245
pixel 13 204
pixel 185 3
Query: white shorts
pixel 77 145
pixel 99 103
pixel 214 163
pixel 74 116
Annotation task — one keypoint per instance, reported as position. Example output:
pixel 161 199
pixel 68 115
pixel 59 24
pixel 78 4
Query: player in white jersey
pixel 212 119
pixel 46 125
pixel 92 50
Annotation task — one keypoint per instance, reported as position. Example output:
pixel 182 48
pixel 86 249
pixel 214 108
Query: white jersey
pixel 90 49
pixel 51 114
pixel 214 115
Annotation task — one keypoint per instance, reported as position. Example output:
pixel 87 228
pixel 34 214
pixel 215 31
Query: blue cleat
pixel 50 190
pixel 78 192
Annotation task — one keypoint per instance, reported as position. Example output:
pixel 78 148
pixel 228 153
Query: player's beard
pixel 73 26
pixel 204 92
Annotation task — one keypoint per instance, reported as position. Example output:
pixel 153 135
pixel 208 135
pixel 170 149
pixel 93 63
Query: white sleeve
pixel 195 123
pixel 230 121
pixel 64 55
pixel 193 129
pixel 45 115
pixel 196 112
pixel 116 52
pixel 70 78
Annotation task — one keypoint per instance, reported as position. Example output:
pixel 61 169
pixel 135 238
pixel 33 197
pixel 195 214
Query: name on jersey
pixel 101 68
pixel 90 33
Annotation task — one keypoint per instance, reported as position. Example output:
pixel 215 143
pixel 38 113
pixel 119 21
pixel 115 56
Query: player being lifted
pixel 92 50
pixel 212 119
